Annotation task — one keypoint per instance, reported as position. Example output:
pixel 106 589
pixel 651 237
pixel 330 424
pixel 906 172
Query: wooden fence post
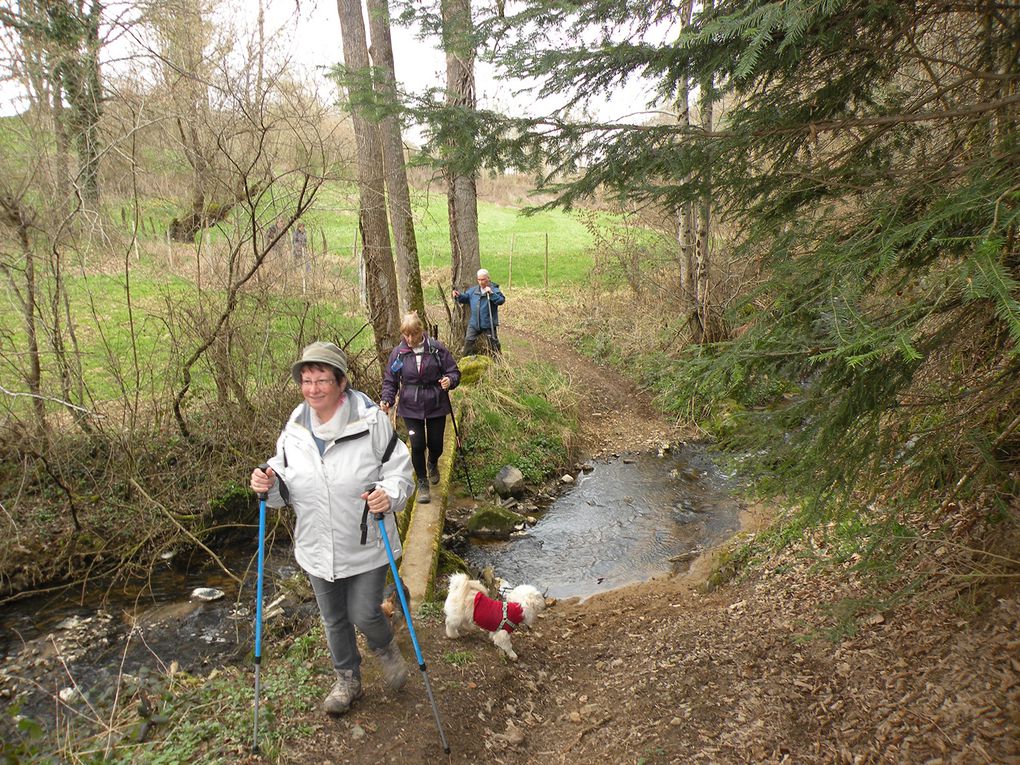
pixel 547 260
pixel 510 266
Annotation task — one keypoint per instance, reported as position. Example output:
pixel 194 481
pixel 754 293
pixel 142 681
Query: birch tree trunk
pixel 701 314
pixel 398 194
pixel 375 234
pixel 685 215
pixel 461 194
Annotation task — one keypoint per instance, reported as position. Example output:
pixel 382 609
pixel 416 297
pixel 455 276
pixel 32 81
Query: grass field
pixel 501 230
pixel 138 352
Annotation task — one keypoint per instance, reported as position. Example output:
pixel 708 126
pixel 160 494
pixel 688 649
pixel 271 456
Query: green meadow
pixel 135 348
pixel 513 245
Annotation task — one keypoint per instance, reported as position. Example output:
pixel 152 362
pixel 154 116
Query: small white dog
pixel 468 603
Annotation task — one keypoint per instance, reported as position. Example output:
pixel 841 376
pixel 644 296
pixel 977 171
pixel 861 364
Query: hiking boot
pixel 424 495
pixel 346 690
pixel 434 473
pixel 393 665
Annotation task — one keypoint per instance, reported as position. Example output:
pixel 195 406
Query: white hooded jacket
pixel 325 491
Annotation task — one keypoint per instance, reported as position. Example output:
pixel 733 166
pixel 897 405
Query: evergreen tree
pixel 869 158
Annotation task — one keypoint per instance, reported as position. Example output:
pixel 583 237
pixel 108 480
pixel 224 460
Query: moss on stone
pixel 449 563
pixel 473 368
pixel 492 520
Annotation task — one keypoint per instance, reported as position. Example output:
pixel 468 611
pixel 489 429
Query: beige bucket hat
pixel 320 352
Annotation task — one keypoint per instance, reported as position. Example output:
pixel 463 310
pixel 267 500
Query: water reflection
pixel 620 523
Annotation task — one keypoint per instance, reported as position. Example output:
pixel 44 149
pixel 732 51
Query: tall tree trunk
pixel 398 193
pixel 462 197
pixel 83 84
pixel 702 313
pixel 375 234
pixel 183 29
pixel 685 214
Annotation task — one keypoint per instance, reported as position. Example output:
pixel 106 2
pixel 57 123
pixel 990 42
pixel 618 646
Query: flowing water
pixel 66 645
pixel 622 522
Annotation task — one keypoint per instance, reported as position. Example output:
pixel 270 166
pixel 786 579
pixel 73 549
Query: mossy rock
pixel 492 521
pixel 449 563
pixel 473 368
pixel 731 562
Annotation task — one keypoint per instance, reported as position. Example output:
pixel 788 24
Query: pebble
pixel 206 593
pixel 514 735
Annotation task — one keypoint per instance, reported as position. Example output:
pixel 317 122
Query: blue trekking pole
pixel 258 612
pixel 410 629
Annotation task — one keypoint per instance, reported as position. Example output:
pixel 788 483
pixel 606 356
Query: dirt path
pixel 615 416
pixel 664 672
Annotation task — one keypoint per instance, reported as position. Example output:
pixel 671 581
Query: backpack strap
pixel 385 458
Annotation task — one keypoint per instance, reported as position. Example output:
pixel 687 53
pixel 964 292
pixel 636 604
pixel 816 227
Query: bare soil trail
pixel 669 672
pixel 614 416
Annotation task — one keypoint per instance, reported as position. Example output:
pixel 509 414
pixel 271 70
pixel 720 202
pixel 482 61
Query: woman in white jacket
pixel 336 456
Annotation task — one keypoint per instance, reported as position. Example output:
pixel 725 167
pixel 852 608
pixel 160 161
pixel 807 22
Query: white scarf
pixel 331 429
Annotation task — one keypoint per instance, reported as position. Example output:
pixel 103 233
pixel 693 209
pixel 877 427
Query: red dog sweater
pixel 494 615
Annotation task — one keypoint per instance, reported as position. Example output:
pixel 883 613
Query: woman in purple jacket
pixel 423 370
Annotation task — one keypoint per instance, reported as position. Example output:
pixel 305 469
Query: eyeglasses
pixel 325 382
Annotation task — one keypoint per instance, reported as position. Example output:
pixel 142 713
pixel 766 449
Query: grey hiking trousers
pixel 348 603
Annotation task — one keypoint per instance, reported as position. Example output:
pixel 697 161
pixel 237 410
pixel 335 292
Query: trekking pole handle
pixel 263 467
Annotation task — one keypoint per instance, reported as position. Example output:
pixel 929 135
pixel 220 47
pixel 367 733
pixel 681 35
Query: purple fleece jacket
pixel 420 394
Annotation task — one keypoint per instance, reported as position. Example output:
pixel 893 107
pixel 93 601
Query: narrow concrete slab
pixel 423 535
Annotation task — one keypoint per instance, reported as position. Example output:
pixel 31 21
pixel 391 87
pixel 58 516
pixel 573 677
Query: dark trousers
pixel 471 338
pixel 425 434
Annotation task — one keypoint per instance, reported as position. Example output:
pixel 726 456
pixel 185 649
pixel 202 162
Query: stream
pixel 627 520
pixel 81 647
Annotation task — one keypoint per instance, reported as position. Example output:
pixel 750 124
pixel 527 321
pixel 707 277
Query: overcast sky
pixel 313 33
pixel 307 34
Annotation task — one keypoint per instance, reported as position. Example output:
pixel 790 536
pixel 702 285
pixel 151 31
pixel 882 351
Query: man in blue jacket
pixel 485 300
